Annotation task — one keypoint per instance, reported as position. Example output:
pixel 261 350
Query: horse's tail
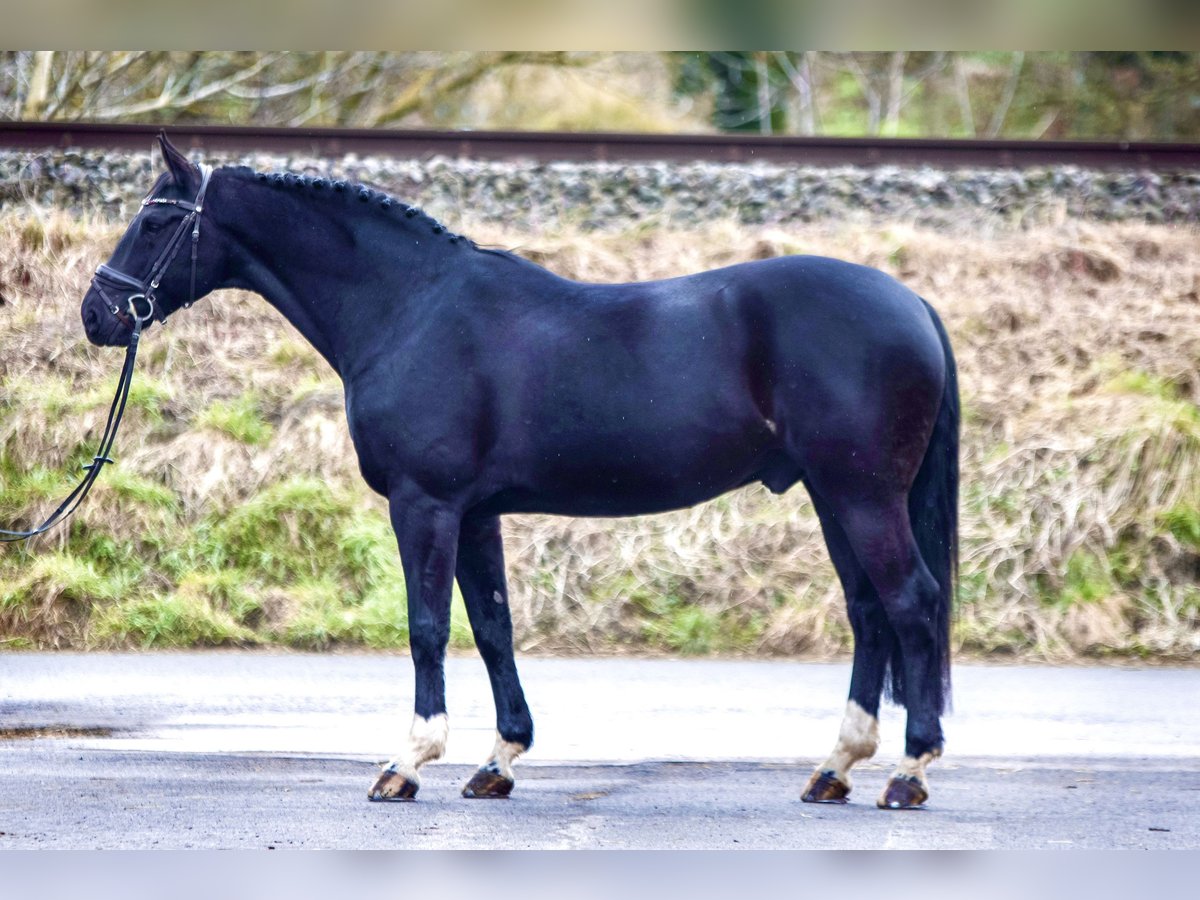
pixel 933 512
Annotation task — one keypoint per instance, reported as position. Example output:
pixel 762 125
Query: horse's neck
pixel 301 253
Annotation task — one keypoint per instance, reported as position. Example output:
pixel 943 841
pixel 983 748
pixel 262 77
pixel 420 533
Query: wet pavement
pixel 229 749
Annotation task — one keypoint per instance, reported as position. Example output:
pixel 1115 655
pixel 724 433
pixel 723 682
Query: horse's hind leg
pixel 485 593
pixel 879 531
pixel 427 532
pixel 858 737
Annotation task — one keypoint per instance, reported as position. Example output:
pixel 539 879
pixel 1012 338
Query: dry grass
pixel 1079 349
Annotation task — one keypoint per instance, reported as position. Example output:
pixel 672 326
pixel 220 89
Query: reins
pixel 115 412
pixel 132 318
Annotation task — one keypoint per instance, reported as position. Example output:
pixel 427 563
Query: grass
pixel 1087 579
pixel 240 418
pixel 1182 521
pixel 287 530
pixel 176 619
pixel 235 515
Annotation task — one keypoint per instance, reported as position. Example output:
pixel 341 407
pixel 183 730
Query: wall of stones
pixel 616 195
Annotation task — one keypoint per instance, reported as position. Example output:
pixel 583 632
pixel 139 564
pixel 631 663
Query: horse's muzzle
pixel 100 325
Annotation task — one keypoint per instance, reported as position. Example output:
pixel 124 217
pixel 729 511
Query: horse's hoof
pixel 903 792
pixel 825 787
pixel 485 785
pixel 394 786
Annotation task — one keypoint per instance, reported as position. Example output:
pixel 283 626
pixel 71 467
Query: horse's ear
pixel 182 171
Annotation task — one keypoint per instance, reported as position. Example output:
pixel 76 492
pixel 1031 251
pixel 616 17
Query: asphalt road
pixel 261 750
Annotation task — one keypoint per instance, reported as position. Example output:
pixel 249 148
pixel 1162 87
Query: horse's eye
pixel 150 226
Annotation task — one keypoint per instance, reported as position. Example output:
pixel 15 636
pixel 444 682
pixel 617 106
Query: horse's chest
pixel 396 437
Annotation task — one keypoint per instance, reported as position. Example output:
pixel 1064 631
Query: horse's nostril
pixel 93 322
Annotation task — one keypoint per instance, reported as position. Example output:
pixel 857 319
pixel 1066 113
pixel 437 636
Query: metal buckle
pixel 133 311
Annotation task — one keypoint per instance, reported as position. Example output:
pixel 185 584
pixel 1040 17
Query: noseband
pixel 135 289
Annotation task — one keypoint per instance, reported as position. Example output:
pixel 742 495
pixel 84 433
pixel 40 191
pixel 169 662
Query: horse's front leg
pixel 485 593
pixel 427 532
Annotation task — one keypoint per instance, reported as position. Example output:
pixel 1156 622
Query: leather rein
pixel 133 318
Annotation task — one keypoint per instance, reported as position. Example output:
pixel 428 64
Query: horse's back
pixel 823 323
pixel 822 294
pixel 815 300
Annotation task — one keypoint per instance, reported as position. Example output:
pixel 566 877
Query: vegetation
pixel 1054 94
pixel 235 514
pixel 1128 94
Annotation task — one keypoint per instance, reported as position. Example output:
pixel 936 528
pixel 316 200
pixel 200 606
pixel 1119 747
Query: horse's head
pixel 160 263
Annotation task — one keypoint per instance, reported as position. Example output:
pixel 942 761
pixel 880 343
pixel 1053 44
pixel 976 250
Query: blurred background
pixel 1129 95
pixel 236 516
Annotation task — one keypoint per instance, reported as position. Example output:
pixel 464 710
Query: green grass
pixel 668 617
pixel 286 352
pixel 973 585
pixel 323 618
pixel 22 491
pixel 60 576
pixel 311 564
pixel 690 630
pixel 130 487
pixel 1183 522
pixel 146 394
pixel 178 619
pixel 1136 381
pixel 1169 406
pixel 240 418
pixel 288 530
pixel 56 398
pixel 1086 578
pixel 232 592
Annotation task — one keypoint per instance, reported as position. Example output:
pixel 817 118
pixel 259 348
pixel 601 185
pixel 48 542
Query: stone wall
pixel 620 195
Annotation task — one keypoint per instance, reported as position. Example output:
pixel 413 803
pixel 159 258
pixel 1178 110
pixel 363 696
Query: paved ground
pixel 258 750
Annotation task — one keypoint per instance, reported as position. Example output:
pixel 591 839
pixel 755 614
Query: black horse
pixel 479 384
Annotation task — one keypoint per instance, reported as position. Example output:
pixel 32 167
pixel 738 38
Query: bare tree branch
pixel 801 78
pixel 274 91
pixel 895 92
pixel 428 89
pixel 963 93
pixel 170 95
pixel 871 95
pixel 936 64
pixel 1010 90
pixel 763 78
pixel 39 85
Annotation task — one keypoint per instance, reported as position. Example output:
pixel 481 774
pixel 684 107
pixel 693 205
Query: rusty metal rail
pixel 552 146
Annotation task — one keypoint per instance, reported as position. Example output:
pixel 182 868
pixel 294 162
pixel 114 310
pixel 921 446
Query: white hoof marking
pixel 503 756
pixel 858 739
pixel 426 742
pixel 914 767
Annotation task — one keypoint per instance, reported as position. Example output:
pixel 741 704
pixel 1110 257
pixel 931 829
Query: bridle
pixel 118 281
pixel 143 289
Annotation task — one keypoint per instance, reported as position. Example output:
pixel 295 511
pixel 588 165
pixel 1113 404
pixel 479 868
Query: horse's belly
pixel 601 502
pixel 603 480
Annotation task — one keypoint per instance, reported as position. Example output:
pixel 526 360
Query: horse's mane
pixel 371 196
